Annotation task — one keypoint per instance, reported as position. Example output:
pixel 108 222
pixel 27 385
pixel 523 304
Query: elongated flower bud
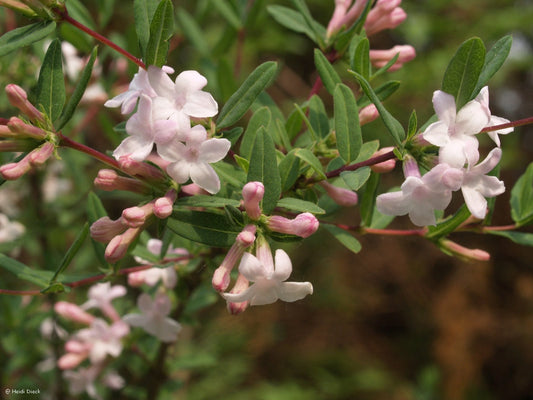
pixel 304 225
pixel 341 196
pixel 118 246
pixel 21 129
pixel 19 99
pixel 464 252
pixel 385 166
pixel 368 114
pixel 73 312
pixel 140 168
pixel 14 171
pixel 105 229
pixel 109 180
pixel 163 205
pixel 241 284
pixel 252 194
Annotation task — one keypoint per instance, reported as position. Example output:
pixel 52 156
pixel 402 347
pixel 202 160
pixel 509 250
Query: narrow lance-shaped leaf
pixel 391 123
pixel 71 252
pixel 361 60
pixel 25 35
pixel 161 30
pixel 74 100
pixel 347 128
pixel 327 73
pixel 290 203
pixel 260 118
pixel 242 99
pixel 318 30
pixel 51 84
pixel 448 225
pixel 289 170
pixel 522 198
pixel 345 238
pixel 462 73
pixel 24 272
pixel 494 59
pixel 143 12
pixel 264 168
pixel 307 156
pixel 318 117
pixel 193 32
pixel 291 19
pixel 228 13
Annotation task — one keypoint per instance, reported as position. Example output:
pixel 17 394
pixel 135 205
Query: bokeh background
pixel 399 320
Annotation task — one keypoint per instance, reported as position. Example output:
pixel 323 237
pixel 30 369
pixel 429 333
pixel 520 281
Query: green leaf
pixel 161 29
pixel 494 59
pixel 291 203
pixel 260 118
pixel 289 170
pixel 22 271
pixel 318 118
pixel 51 84
pixel 71 252
pixel 522 238
pixel 308 156
pixel 193 32
pixel 212 229
pixel 522 198
pixel 230 174
pixel 25 35
pixel 368 199
pixel 356 179
pixel 391 123
pixel 382 92
pixel 347 128
pixel 291 19
pixel 327 73
pixel 229 14
pixel 319 32
pixel 361 60
pixel 386 67
pixel 206 201
pixel 345 238
pixel 413 125
pixel 367 150
pixel 74 100
pixel 264 168
pixel 462 73
pixel 243 98
pixel 448 225
pixel 143 12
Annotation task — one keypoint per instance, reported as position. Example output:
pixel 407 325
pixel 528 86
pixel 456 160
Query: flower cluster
pixel 458 168
pixel 267 274
pixel 163 118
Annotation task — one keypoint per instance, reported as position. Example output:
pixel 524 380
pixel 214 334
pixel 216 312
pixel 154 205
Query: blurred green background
pixel 400 320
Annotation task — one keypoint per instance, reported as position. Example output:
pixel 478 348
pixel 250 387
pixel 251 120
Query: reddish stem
pixel 395 232
pixel 67 18
pixel 512 124
pixel 67 142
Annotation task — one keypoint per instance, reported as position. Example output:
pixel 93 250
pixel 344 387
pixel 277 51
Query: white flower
pixel 420 197
pixel 138 86
pixel 145 130
pixel 183 98
pixel 477 185
pixel 483 99
pixel 102 339
pixel 454 132
pixel 268 280
pixel 101 294
pixel 154 318
pixel 83 380
pixel 192 158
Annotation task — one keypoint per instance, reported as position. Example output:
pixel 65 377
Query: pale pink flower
pixel 82 380
pixel 455 130
pixel 192 158
pixel 154 318
pixel 101 295
pixel 268 277
pixel 483 99
pixel 145 130
pixel 103 339
pixel 10 230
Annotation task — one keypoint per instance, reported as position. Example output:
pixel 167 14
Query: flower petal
pixel 444 105
pixel 138 148
pixel 200 105
pixel 437 133
pixel 394 203
pixel 214 150
pixel 471 119
pixel 189 81
pixel 292 291
pixel 205 176
pixel 476 203
pixel 282 266
pixel 179 171
pixel 161 82
pixel 251 268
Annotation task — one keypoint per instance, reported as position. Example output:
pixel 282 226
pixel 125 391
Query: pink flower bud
pixel 41 154
pixel 140 168
pixel 163 206
pixel 14 171
pixel 73 312
pixel 304 225
pixel 221 276
pixel 15 145
pixel 341 196
pixel 368 114
pixel 109 180
pixel 193 189
pixel 240 286
pixel 19 99
pixel 385 15
pixel 385 166
pixel 463 252
pixel 410 168
pixel 21 129
pixel 380 58
pixel 118 246
pixel 134 217
pixel 252 194
pixel 77 347
pixel 105 229
pixel 136 279
pixel 71 360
